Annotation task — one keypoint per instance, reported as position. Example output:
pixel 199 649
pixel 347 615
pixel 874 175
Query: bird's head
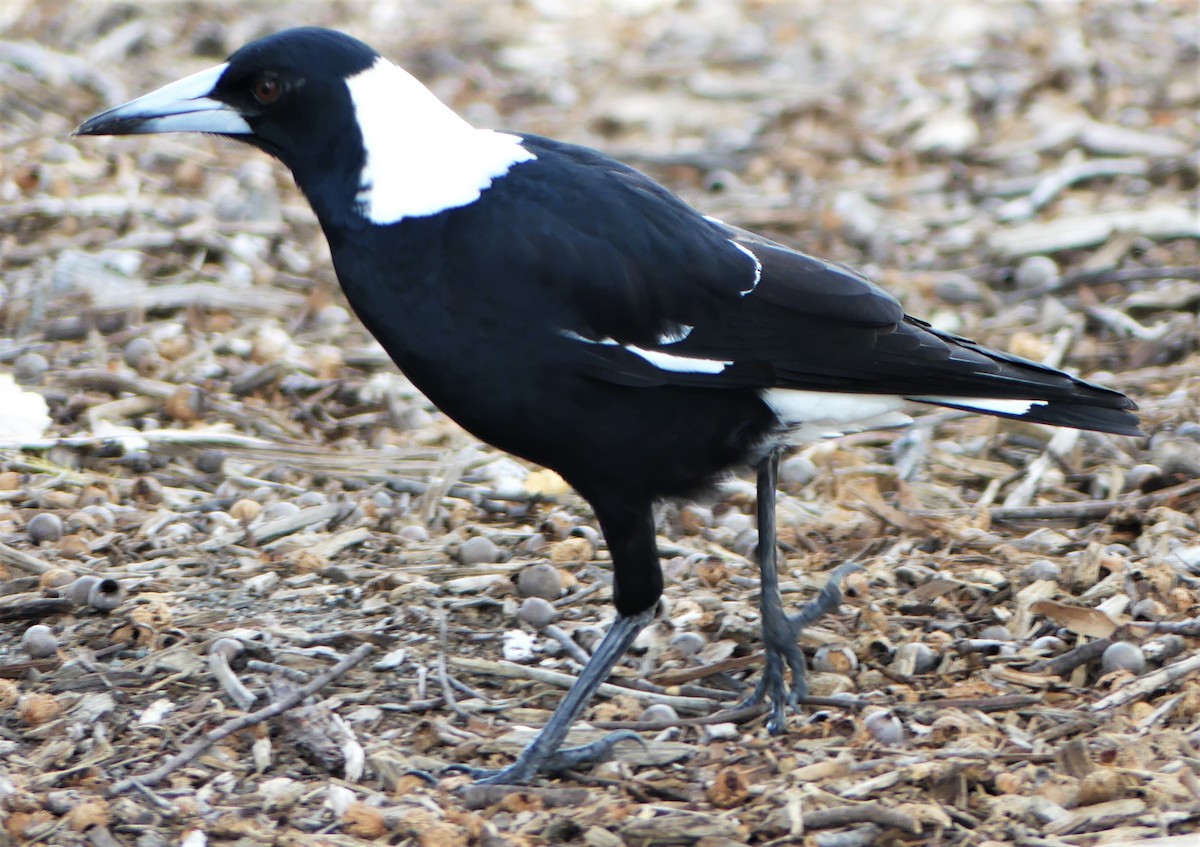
pixel 359 134
pixel 281 93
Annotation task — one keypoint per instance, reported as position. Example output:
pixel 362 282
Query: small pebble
pixel 719 732
pixel 1036 272
pixel 30 368
pixel 995 632
pixel 797 470
pixel 186 405
pixel 479 550
pixel 537 612
pixel 138 461
pixel 884 727
pixel 541 580
pixel 79 590
pixel 331 317
pixel 1041 569
pixel 311 498
pixel 688 643
pixel 245 510
pixel 282 509
pixel 39 642
pixel 958 290
pixel 693 518
pixel 834 658
pixel 518 646
pixel 140 353
pixel 1048 645
pixel 746 542
pixel 211 461
pixel 1148 609
pixel 73 547
pixel 44 527
pixel 1123 656
pixel 55 578
pixel 105 595
pixel 102 515
pixel 584 531
pixel 1140 476
pixel 735 520
pixel 148 490
pixel 913 658
pixel 659 713
pixel 414 532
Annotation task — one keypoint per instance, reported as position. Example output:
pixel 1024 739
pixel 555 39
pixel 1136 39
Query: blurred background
pixel 173 343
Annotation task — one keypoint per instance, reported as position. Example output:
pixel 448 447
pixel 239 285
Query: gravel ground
pixel 217 495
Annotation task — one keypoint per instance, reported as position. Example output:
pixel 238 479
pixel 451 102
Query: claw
pixel 518 772
pixel 780 638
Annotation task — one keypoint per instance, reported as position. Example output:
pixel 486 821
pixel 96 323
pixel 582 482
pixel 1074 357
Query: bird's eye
pixel 266 90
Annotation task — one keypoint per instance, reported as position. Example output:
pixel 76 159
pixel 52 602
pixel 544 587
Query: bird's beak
pixel 182 106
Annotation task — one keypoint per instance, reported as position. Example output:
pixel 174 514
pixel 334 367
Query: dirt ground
pixel 217 493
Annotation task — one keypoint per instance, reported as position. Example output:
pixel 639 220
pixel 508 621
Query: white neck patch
pixel 421 158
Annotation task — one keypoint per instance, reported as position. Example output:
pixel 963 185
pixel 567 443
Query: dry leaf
pixel 1090 622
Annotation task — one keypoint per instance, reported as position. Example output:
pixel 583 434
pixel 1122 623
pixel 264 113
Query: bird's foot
pixel 781 648
pixel 781 635
pixel 526 767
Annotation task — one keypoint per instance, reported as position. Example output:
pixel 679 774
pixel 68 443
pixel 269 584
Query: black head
pixel 364 139
pixel 280 93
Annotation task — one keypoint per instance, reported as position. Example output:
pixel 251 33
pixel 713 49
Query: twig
pixel 278 528
pixel 568 643
pixel 238 724
pixel 23 561
pixel 219 654
pixel 1058 180
pixel 861 813
pixel 1083 510
pixel 1067 662
pixel 1148 684
pixel 511 670
pixel 1105 276
pixel 31 610
pixel 481 796
pixel 443 675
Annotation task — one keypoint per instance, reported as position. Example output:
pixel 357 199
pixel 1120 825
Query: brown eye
pixel 266 90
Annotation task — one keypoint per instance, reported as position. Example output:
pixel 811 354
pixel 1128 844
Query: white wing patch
pixel 810 415
pixel 662 361
pixel 675 336
pixel 421 158
pixel 679 364
pixel 757 267
pixel 984 404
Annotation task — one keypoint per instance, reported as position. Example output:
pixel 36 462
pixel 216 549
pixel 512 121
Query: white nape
pixel 809 415
pixel 983 404
pixel 421 157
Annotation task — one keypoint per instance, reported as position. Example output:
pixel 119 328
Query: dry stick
pixel 1148 684
pixel 511 670
pixel 228 728
pixel 23 561
pixel 1069 661
pixel 443 675
pixel 1083 510
pixel 864 813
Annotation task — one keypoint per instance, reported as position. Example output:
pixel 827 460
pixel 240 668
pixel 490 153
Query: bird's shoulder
pixel 638 260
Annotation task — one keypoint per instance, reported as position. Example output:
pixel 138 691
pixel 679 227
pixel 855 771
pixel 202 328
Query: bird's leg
pixel 542 754
pixel 780 631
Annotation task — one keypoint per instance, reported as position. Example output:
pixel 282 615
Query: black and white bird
pixel 566 308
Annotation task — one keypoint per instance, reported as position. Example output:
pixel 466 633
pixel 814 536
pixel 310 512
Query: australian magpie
pixel 568 309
